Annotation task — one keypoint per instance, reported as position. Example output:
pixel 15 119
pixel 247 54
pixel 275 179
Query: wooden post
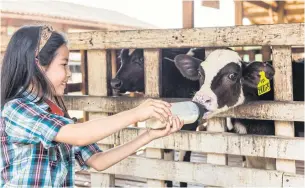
pixel 281 12
pixel 251 55
pixel 84 71
pixel 238 12
pixel 216 125
pixel 283 91
pixel 188 14
pixel 97 86
pixel 266 53
pixel 153 89
pixel 113 64
pixel 238 16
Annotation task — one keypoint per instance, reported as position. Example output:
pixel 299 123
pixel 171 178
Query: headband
pixel 45 34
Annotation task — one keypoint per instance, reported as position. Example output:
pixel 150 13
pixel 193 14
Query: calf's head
pixel 225 80
pixel 130 76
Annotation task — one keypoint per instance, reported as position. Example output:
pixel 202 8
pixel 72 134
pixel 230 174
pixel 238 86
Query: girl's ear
pixel 38 65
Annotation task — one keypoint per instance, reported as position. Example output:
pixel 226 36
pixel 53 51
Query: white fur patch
pixel 229 124
pixel 130 51
pixel 240 128
pixel 190 52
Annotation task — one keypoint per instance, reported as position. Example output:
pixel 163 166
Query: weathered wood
pixel 84 71
pixel 216 125
pixel 227 143
pixel 293 180
pixel 113 64
pixel 152 72
pixel 102 180
pixel 290 111
pixel 97 86
pixel 283 90
pixel 153 89
pixel 97 73
pixel 83 177
pixel 201 173
pixel 281 34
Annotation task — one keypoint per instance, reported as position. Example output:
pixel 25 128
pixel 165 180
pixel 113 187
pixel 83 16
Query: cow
pixel 226 82
pixel 130 77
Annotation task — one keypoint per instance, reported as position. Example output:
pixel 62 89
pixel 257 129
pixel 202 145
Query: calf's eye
pixel 233 76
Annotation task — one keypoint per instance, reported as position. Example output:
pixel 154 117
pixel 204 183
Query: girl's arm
pixel 82 134
pixel 103 160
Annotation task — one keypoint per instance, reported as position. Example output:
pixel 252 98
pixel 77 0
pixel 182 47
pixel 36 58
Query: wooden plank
pixel 152 82
pixel 291 110
pixel 188 14
pixel 101 180
pixel 227 143
pixel 280 34
pixel 283 91
pixel 217 125
pixel 97 86
pixel 292 180
pixel 201 173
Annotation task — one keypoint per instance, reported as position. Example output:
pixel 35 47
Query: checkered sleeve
pixel 28 123
pixel 82 154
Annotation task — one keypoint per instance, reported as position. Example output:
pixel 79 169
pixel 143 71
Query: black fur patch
pixel 226 90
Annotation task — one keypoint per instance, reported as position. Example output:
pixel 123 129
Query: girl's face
pixel 58 72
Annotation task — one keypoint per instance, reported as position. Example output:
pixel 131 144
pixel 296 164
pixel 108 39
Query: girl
pixel 39 141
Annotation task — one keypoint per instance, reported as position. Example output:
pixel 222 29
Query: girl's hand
pixel 153 109
pixel 174 124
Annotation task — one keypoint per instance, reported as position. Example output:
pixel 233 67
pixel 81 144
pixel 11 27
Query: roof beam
pixel 211 4
pixel 281 11
pixel 266 14
pixel 263 5
pixel 75 22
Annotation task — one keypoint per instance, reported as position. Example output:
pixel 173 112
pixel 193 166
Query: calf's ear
pixel 188 66
pixel 124 54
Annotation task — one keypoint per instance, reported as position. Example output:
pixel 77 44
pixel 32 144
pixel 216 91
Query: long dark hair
pixel 19 69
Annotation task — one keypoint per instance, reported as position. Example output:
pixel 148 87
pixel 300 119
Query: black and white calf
pixel 226 82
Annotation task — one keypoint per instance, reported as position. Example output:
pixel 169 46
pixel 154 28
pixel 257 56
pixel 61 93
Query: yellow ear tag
pixel 263 84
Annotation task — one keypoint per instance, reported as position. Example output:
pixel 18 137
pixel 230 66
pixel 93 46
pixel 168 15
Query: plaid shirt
pixel 29 156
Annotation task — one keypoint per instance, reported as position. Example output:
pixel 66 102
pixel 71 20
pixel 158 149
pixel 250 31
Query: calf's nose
pixel 203 99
